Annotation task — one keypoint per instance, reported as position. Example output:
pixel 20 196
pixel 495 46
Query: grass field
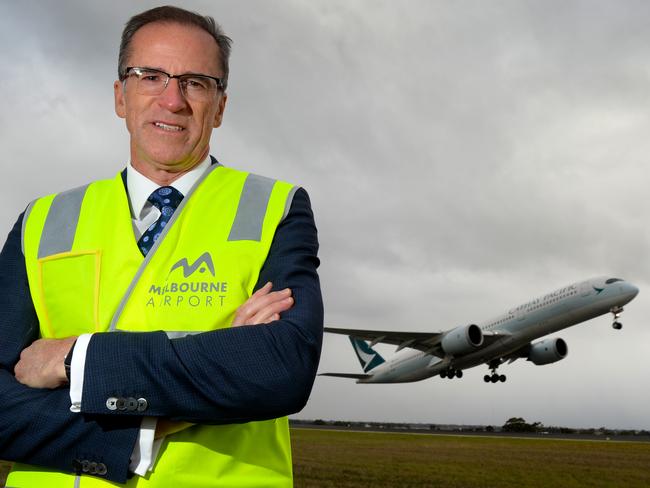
pixel 359 459
pixel 326 458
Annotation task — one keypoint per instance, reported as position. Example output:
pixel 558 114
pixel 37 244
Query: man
pixel 181 250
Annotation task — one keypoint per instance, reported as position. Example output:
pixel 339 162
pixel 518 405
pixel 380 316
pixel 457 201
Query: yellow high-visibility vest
pixel 86 274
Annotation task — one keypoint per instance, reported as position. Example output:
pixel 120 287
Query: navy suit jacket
pixel 225 376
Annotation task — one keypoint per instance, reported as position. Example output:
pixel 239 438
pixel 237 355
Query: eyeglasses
pixel 197 87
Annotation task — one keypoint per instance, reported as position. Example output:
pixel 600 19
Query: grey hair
pixel 177 15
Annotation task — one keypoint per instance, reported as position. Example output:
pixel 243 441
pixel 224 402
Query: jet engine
pixel 462 340
pixel 548 351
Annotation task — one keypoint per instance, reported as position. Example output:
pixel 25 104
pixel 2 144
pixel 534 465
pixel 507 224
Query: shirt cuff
pixel 146 447
pixel 77 371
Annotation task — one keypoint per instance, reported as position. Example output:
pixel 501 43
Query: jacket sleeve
pixel 229 375
pixel 36 425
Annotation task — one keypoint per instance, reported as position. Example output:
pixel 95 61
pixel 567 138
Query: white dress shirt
pixel 143 214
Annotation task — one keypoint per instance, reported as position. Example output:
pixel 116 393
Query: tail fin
pixel 368 357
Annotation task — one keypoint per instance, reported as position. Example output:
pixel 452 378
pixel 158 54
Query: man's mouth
pixel 168 127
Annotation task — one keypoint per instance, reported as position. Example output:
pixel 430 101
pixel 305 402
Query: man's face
pixel 169 132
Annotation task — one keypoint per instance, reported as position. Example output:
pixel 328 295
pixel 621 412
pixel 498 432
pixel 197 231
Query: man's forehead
pixel 166 44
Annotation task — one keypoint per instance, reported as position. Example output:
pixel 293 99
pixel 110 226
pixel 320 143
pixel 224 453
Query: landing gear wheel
pixel 502 378
pixel 459 374
pixel 486 378
pixel 451 373
pixel 616 312
pixel 443 374
pixel 494 378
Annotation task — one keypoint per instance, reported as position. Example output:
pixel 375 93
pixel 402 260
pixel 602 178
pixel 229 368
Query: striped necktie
pixel 166 199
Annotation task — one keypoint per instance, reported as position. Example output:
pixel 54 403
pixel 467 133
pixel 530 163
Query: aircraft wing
pixel 428 342
pixel 347 375
pixel 416 340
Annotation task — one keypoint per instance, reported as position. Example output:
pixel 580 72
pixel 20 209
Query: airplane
pixel 506 338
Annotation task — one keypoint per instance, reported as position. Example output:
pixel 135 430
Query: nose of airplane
pixel 629 290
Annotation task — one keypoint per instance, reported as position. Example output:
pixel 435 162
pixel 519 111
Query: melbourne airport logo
pixel 198 287
pixel 190 269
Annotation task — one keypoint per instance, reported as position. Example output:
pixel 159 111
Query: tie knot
pixel 166 199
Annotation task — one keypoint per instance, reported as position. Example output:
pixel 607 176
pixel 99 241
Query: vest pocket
pixel 70 293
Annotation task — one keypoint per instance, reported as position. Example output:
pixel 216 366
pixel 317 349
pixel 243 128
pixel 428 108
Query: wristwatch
pixel 67 362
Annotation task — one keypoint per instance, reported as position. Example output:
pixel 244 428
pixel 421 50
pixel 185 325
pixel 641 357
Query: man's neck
pixel 165 175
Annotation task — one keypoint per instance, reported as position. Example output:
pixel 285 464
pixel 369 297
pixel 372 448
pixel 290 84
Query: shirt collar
pixel 140 187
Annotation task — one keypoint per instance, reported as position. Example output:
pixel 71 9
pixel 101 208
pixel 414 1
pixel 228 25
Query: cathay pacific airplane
pixel 506 338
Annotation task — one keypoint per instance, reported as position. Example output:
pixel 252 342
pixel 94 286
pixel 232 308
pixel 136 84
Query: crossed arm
pixel 233 375
pixel 41 363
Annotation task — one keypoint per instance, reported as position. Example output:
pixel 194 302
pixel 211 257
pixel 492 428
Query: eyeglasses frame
pixel 129 69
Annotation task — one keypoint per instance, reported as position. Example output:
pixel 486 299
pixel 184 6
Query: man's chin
pixel 167 163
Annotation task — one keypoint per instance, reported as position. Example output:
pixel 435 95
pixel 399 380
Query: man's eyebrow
pixel 191 73
pixel 151 68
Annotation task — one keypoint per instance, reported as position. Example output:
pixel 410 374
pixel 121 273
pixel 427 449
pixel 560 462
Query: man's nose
pixel 172 97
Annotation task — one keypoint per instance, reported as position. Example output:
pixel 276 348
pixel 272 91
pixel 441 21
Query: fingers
pixel 263 291
pixel 263 306
pixel 272 311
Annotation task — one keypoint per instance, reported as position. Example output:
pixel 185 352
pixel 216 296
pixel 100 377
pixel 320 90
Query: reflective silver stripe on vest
pixel 251 209
pixel 177 334
pixel 172 334
pixel 61 222
pixel 287 204
pixel 28 210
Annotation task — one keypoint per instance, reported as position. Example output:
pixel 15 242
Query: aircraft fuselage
pixel 514 329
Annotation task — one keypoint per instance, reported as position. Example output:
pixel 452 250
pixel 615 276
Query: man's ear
pixel 218 117
pixel 120 103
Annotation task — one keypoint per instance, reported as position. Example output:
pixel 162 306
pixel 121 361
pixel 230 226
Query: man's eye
pixel 151 77
pixel 196 84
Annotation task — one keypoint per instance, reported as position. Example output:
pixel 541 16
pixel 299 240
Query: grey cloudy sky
pixel 462 157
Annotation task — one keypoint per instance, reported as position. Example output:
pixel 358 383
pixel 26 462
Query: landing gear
pixel 494 377
pixel 616 312
pixel 451 373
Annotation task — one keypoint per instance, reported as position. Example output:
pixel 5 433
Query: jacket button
pixel 85 465
pixel 142 404
pixel 92 468
pixel 121 403
pixel 131 404
pixel 111 403
pixel 76 466
pixel 101 469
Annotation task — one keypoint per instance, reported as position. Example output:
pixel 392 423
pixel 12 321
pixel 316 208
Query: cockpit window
pixel 612 280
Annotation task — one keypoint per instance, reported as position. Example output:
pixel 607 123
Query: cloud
pixel 461 158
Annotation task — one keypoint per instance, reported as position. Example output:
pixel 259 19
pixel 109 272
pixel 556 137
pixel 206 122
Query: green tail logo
pixel 368 357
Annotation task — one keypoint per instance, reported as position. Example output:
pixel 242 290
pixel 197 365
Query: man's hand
pixel 263 306
pixel 41 364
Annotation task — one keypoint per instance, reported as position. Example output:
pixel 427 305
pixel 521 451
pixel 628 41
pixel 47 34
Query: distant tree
pixel 319 422
pixel 489 428
pixel 518 424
